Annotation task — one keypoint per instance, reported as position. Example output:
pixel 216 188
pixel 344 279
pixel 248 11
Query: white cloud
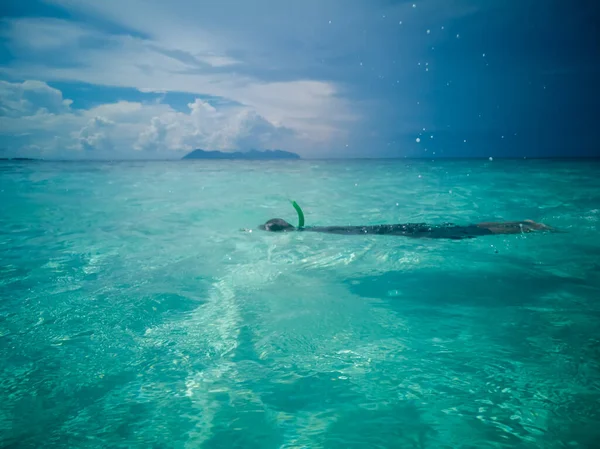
pixel 46 123
pixel 182 58
pixel 29 97
pixel 95 136
pixel 41 34
pixel 207 127
pixel 153 137
pixel 261 55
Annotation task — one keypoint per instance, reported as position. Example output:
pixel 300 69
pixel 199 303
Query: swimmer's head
pixel 277 225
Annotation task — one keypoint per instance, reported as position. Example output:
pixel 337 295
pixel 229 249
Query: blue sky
pixel 324 78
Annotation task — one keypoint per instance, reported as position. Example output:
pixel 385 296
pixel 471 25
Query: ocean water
pixel 135 312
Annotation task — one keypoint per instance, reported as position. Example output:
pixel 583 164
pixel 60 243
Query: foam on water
pixel 135 313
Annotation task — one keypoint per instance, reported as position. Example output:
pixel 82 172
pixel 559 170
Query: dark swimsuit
pixel 417 230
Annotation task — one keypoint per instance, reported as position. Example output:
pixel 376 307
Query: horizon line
pixel 28 159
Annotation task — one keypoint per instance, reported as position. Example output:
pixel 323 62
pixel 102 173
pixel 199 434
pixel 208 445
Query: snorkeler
pixel 417 230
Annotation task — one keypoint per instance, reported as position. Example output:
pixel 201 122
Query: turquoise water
pixel 135 313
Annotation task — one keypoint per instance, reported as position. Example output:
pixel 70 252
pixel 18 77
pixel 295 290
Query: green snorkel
pixel 300 215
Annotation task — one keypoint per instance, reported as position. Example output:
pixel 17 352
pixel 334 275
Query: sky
pixel 150 79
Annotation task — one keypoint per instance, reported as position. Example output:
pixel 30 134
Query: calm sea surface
pixel 134 312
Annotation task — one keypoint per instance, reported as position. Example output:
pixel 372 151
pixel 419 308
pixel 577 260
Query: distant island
pixel 252 155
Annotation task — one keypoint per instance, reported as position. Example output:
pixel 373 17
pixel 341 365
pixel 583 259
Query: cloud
pixel 206 127
pixel 95 135
pixel 30 97
pixel 153 137
pixel 37 119
pixel 314 77
pixel 184 58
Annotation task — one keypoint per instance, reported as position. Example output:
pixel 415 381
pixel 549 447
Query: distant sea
pixel 134 312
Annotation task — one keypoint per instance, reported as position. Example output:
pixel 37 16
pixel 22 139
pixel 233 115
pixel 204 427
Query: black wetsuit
pixel 417 230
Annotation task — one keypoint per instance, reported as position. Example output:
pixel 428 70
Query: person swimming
pixel 416 230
